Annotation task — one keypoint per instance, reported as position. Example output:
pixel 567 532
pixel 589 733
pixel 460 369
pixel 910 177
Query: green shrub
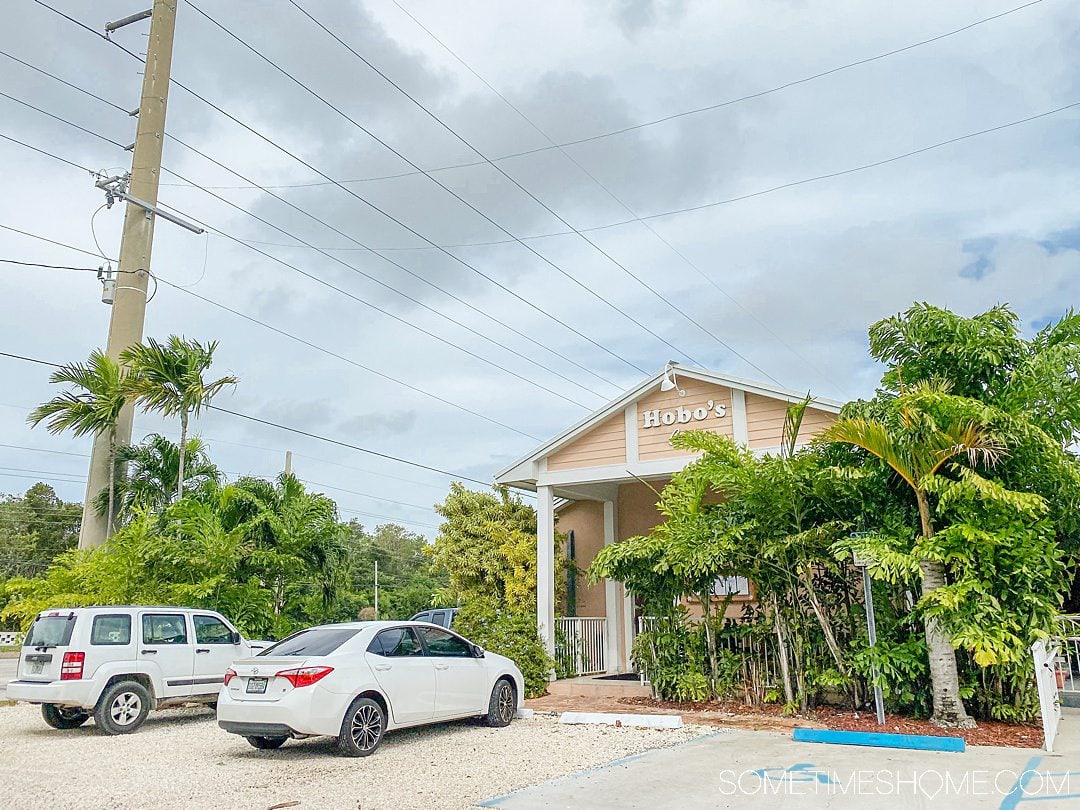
pixel 508 633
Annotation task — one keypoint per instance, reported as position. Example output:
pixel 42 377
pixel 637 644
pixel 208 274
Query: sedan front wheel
pixel 362 728
pixel 502 706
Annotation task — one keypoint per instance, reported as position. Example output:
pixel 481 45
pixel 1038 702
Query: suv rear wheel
pixel 122 708
pixel 62 717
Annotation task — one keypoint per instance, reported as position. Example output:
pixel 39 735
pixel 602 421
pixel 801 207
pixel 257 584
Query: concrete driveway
pixel 768 769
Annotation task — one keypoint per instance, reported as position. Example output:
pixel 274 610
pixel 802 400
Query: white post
pixel 545 567
pixel 612 600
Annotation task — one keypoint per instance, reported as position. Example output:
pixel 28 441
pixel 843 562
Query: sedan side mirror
pixel 477 651
pixel 236 637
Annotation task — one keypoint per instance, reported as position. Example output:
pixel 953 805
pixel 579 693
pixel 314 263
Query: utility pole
pixel 129 306
pixel 376 590
pixel 288 462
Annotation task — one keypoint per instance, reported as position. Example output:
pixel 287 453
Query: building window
pixel 731 586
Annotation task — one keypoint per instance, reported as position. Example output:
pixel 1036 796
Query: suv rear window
pixel 321 641
pixel 50 631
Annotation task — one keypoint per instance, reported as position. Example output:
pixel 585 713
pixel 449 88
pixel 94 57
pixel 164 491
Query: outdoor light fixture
pixel 669 382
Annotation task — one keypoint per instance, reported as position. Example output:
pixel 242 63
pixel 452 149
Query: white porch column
pixel 545 567
pixel 612 600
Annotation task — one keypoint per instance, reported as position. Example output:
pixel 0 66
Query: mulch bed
pixel 1012 735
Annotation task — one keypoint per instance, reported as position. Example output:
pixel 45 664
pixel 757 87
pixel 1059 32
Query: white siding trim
pixel 739 429
pixel 631 433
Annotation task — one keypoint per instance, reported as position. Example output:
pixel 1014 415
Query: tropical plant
pixel 168 378
pixel 150 470
pixel 917 442
pixel 92 406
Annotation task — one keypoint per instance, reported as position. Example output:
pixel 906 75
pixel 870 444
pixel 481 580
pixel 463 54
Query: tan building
pixel 590 480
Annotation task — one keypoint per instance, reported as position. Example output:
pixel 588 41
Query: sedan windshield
pixel 319 641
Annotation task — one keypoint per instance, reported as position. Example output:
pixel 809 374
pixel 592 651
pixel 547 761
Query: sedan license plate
pixel 256 686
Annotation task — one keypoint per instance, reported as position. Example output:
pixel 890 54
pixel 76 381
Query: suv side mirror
pixel 236 639
pixel 477 651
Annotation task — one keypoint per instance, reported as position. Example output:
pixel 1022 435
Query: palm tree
pixel 169 378
pixel 152 468
pixel 916 445
pixel 92 407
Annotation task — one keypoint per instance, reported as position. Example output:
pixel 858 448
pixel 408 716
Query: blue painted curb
pixel 879 739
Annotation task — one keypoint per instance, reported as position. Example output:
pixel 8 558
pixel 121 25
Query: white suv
pixel 118 662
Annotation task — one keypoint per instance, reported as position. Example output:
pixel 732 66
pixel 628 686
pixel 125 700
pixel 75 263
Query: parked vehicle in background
pixel 444 617
pixel 358 680
pixel 116 663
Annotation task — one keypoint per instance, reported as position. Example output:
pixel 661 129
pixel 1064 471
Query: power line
pixel 50 266
pixel 371 205
pixel 642 282
pixel 377 308
pixel 448 190
pixel 655 121
pixel 648 226
pixel 298 431
pixel 298 339
pixel 326 224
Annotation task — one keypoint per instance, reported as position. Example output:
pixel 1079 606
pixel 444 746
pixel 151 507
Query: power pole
pixel 288 462
pixel 129 306
pixel 376 589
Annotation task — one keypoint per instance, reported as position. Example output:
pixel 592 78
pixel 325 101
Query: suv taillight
pixel 230 673
pixel 305 676
pixel 71 668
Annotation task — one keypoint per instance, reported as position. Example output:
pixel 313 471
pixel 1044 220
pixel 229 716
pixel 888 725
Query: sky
pixel 428 292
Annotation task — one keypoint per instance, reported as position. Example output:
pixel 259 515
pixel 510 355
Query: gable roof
pixel 514 471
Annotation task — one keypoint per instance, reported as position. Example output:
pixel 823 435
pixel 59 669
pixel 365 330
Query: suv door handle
pixel 202 649
pixel 382 667
pixel 149 652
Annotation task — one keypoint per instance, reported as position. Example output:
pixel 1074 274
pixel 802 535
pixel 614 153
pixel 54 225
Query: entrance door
pixel 165 652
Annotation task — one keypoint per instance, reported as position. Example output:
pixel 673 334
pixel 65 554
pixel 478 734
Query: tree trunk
pixel 710 641
pixel 183 447
pixel 112 484
pixel 781 649
pixel 949 709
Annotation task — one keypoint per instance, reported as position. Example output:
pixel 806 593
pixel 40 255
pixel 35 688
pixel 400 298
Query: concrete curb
pixel 635 720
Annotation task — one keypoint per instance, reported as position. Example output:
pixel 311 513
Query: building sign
pixel 683 416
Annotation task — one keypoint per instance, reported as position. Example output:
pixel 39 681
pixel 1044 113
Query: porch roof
pixel 525 472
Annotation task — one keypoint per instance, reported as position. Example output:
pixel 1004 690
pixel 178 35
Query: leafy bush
pixel 510 633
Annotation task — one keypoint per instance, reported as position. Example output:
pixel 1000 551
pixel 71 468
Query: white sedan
pixel 358 680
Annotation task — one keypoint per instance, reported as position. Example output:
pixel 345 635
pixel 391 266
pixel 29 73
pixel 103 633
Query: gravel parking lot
pixel 181 759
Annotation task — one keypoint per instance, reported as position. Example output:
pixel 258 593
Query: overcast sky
pixel 782 285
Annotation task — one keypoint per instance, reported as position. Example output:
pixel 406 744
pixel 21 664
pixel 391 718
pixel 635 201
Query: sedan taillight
pixel 230 673
pixel 71 668
pixel 304 676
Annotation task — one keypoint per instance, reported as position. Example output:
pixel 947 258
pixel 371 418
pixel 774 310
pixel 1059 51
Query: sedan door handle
pixel 442 666
pixel 202 649
pixel 149 652
pixel 382 667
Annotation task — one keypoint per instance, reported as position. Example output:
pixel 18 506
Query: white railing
pixel 581 645
pixel 1068 667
